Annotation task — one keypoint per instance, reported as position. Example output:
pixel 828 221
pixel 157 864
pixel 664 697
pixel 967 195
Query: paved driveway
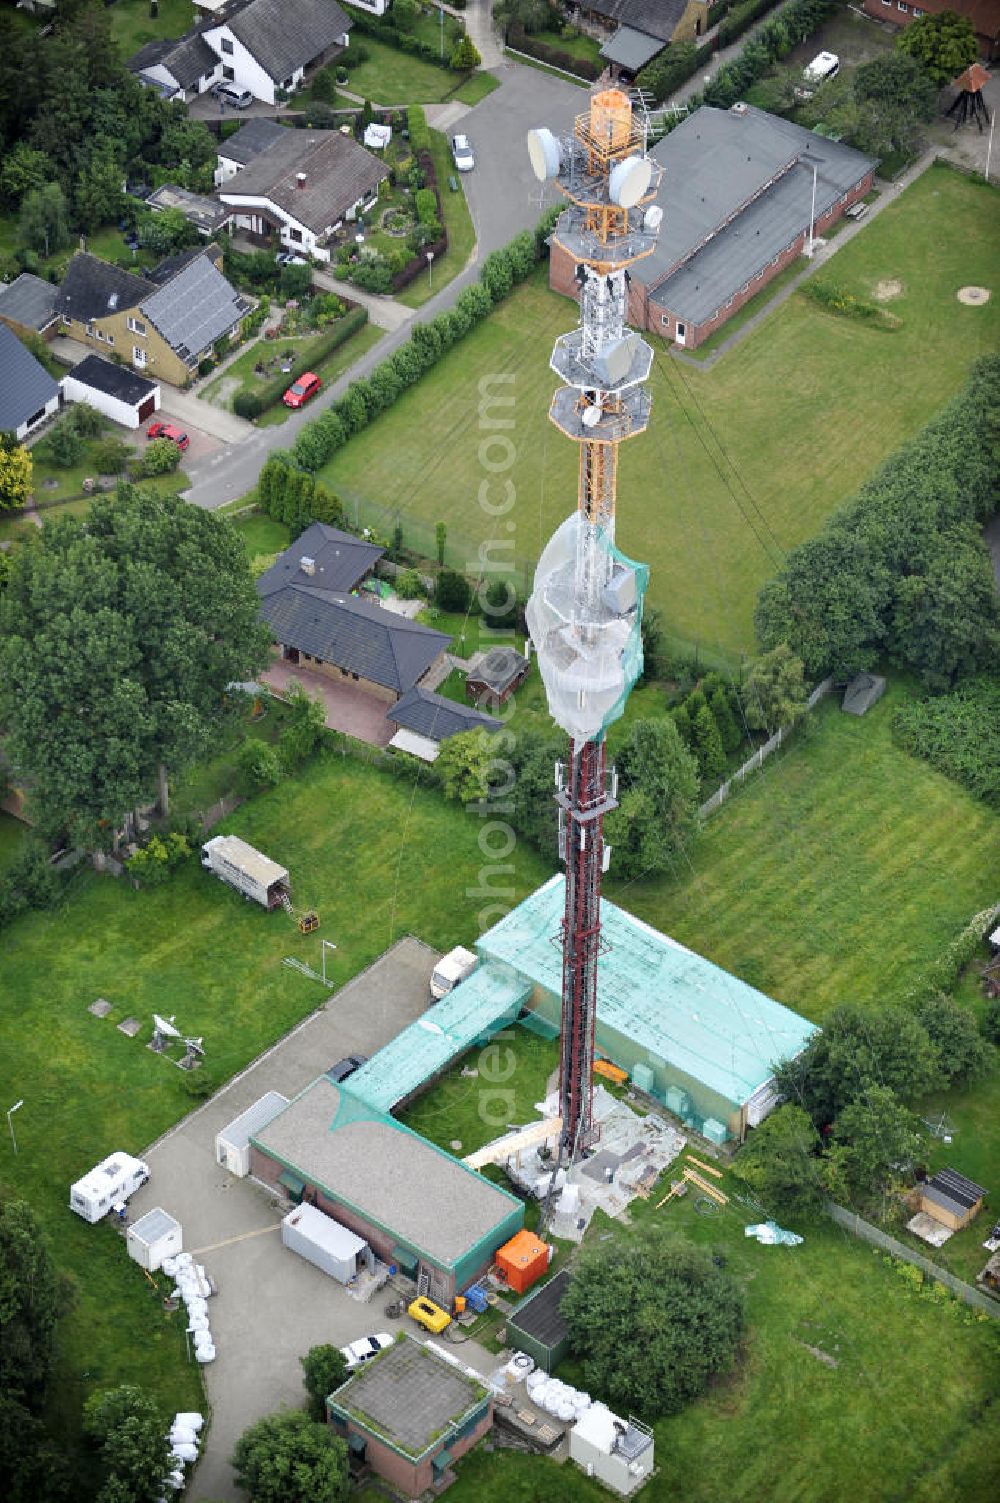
pixel 272 1306
pixel 349 708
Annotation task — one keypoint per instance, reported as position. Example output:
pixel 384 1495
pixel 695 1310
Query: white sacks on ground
pixel 196 1305
pixel 191 1418
pixel 535 1380
pixel 205 1354
pixel 198 1323
pixel 185 1453
pixel 180 1435
pixel 169 1267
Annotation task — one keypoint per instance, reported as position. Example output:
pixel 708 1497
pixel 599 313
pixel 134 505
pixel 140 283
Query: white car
pixel 290 258
pixel 461 151
pixel 364 1349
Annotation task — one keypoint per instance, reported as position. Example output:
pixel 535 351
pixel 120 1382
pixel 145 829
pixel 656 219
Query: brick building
pixel 737 198
pixel 984 15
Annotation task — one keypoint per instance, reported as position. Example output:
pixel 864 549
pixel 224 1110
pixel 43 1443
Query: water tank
pixel 714 1130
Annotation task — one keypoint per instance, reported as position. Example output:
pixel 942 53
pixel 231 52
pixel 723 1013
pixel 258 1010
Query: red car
pixel 168 430
pixel 301 390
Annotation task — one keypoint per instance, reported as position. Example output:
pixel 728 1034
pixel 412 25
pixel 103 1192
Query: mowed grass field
pixel 376 856
pixel 777 433
pixel 837 873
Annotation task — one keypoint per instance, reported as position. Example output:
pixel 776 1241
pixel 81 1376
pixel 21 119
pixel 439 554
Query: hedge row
pixel 741 18
pixel 502 270
pixel 250 404
pixel 674 66
pixel 774 41
pixel 404 40
pixel 416 124
pixel 957 733
pixel 580 67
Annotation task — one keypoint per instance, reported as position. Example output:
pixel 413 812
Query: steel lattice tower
pixel 585 611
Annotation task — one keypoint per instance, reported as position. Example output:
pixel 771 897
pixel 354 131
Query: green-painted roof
pixel 484 1002
pixel 672 1004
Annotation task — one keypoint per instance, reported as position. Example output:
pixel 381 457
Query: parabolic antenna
pixel 652 219
pixel 543 149
pixel 591 416
pixel 165 1028
pixel 629 181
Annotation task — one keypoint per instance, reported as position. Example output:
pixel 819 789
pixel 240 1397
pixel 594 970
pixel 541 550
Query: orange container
pixel 611 118
pixel 459 1304
pixel 523 1260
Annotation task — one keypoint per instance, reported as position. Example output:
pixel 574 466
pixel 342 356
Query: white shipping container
pixel 321 1240
pixel 232 1144
pixel 153 1238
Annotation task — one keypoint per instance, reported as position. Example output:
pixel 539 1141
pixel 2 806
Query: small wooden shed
pixel 951 1198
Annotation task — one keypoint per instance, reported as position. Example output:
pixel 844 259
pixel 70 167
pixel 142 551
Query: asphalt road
pixel 503 197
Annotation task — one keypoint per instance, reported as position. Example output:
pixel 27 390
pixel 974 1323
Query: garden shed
pixel 863 691
pixel 951 1198
pixel 538 1328
pixel 497 674
pixel 154 1237
pixel 232 1144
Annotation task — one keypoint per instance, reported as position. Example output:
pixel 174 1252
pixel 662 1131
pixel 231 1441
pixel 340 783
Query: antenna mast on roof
pixel 585 611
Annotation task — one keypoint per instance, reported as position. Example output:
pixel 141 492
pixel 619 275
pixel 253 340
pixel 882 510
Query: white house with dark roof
pixel 28 394
pixel 267 45
pixel 302 187
pixel 121 394
pixel 178 68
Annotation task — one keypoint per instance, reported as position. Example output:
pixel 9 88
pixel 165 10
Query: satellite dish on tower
pixel 652 219
pixel 629 181
pixel 591 416
pixel 543 149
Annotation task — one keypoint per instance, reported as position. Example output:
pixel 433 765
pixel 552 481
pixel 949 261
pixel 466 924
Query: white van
pixel 450 970
pixel 110 1183
pixel 824 66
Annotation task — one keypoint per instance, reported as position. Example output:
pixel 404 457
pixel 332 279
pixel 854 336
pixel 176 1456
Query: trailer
pixel 110 1183
pixel 321 1240
pixel 155 1236
pixel 259 879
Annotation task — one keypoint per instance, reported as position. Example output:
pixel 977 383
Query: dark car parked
pixel 345 1067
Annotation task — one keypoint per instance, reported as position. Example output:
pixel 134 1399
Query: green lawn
pixel 460 1109
pixel 393 77
pixel 328 370
pixel 780 404
pixel 262 534
pixel 458 223
pixel 194 948
pixel 902 1414
pixel 757 303
pixel 132 27
pixel 13 833
pixel 837 874
pixel 576 44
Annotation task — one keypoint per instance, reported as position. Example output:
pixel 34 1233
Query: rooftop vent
pixel 300 180
pixel 307 565
pixel 739 108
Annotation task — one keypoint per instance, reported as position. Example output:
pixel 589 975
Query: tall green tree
pixel 708 747
pixel 944 44
pixel 289 1458
pixel 946 619
pixel 721 709
pixel 963 1052
pixel 120 632
pixel 879 1139
pixel 780 1162
pixel 97 194
pixel 324 1368
pixel 656 818
pixel 860 1047
pixel 895 96
pixel 32 1467
pixel 23 169
pixel 130 1433
pixel 775 690
pixel 32 1298
pixel 653 1319
pixel 43 223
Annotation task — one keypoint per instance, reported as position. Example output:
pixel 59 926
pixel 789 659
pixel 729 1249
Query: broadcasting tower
pixel 585 611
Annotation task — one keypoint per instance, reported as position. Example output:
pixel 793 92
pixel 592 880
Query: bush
pixel 111 456
pixel 324 1368
pixel 579 67
pixel 62 446
pixel 409 585
pixel 836 299
pixel 30 881
pixel 991 1020
pixel 373 276
pixel 160 457
pixel 452 591
pixel 295 281
pixel 259 762
pixel 250 404
pixel 420 136
pixel 158 858
pixel 957 734
pixel 85 420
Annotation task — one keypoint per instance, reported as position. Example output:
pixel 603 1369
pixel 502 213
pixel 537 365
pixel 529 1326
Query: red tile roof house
pixel 984 15
pixel 409 1414
pixel 737 201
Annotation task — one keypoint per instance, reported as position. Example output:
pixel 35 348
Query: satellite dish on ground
pixel 629 181
pixel 165 1027
pixel 653 218
pixel 543 149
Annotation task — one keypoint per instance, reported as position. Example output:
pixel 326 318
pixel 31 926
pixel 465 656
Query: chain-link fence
pixel 864 1229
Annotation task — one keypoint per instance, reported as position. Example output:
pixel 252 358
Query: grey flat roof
pixel 238 1132
pixel 155 1224
pixel 114 380
pixel 25 384
pixel 29 301
pixel 390 1176
pixel 631 49
pixel 409 1395
pixel 539 1314
pixel 204 213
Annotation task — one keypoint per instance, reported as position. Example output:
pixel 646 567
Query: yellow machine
pixel 308 923
pixel 429 1315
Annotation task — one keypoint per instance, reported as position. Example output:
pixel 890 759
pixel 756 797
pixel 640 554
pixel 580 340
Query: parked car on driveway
pixel 461 151
pixel 168 430
pixel 290 258
pixel 345 1067
pixel 357 1353
pixel 301 390
pixel 239 99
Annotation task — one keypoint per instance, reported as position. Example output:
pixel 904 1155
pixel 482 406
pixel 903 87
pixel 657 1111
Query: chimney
pixel 307 565
pixel 300 180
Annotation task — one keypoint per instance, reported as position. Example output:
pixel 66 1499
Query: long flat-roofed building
pixel 413 1204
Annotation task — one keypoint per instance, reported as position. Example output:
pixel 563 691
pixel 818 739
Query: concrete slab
pixel 928 1230
pixel 272 1306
